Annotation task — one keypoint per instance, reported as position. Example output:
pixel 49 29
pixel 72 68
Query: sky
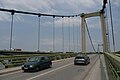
pixel 25 28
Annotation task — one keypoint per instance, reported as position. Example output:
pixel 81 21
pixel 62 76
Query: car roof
pixel 39 56
pixel 81 55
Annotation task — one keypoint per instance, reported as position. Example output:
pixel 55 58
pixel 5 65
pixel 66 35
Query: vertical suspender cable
pixel 39 25
pixel 112 25
pixel 77 32
pixel 108 38
pixel 53 33
pixel 73 36
pixel 62 35
pixel 11 31
pixel 69 31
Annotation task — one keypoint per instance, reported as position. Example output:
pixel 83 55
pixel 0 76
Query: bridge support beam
pixel 104 33
pixel 83 34
pixel 103 25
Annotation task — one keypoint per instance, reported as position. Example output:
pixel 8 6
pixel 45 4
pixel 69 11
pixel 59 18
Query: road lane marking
pixel 11 73
pixel 49 71
pixel 90 68
pixel 17 71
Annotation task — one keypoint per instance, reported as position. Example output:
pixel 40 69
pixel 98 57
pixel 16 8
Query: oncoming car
pixel 81 59
pixel 36 63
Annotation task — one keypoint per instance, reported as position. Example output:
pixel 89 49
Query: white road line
pixel 49 71
pixel 21 70
pixel 10 73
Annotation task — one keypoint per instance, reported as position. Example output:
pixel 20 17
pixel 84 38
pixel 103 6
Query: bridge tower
pixel 103 26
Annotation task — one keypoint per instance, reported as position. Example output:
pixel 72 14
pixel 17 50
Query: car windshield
pixel 79 57
pixel 34 59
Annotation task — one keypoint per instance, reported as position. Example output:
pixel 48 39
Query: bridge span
pixel 103 66
pixel 62 70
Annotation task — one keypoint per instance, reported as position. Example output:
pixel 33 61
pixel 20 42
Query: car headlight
pixel 22 65
pixel 31 65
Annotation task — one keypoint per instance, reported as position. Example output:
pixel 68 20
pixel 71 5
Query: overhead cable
pixel 112 25
pixel 90 36
pixel 34 13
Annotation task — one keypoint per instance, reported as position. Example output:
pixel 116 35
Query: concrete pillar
pixel 104 34
pixel 83 34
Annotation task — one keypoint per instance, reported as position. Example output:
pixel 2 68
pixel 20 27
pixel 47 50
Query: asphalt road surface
pixel 61 70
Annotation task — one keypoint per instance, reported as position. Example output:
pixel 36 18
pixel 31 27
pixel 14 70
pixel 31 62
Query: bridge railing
pixel 17 60
pixel 113 65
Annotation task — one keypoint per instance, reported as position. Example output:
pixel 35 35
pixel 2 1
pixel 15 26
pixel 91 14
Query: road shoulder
pixel 98 71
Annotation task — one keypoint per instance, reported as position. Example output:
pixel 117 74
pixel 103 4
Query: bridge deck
pixel 97 70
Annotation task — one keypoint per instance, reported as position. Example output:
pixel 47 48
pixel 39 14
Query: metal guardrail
pixel 17 60
pixel 117 55
pixel 113 66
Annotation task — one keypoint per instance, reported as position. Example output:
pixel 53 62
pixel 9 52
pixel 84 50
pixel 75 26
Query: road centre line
pixel 49 71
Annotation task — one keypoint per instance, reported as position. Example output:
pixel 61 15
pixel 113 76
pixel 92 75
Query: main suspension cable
pixel 112 25
pixel 34 13
pixel 89 36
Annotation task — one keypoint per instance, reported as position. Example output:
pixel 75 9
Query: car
pixel 81 59
pixel 36 63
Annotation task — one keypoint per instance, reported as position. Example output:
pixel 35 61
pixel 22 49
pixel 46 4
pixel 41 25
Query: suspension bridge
pixel 105 63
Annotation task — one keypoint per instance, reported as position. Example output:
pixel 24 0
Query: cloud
pixel 30 5
pixel 60 7
pixel 67 22
pixel 4 40
pixel 116 2
pixel 4 16
pixel 25 5
pixel 94 22
pixel 49 6
pixel 48 42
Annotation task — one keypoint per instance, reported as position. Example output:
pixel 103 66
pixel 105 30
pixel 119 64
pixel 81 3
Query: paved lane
pixel 62 70
pixel 67 73
pixel 99 70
